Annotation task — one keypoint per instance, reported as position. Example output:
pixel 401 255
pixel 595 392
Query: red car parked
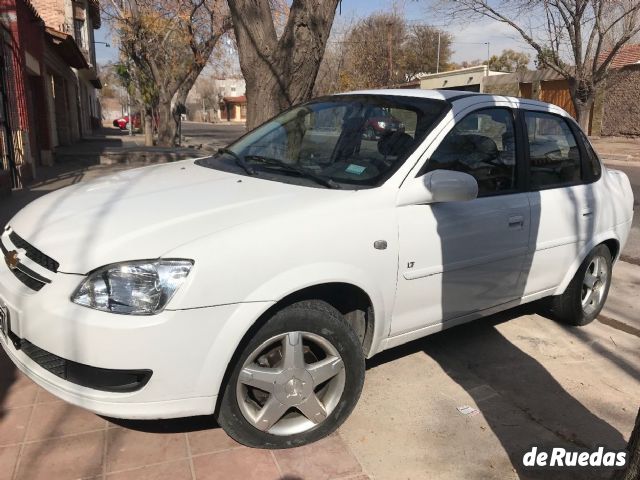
pixel 381 122
pixel 123 122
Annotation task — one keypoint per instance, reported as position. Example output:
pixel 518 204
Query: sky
pixel 470 40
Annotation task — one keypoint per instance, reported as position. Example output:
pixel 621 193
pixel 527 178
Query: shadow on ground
pixel 174 425
pixel 491 370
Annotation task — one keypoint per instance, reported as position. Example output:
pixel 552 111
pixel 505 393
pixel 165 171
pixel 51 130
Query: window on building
pixel 80 34
pixel 553 151
pixel 483 145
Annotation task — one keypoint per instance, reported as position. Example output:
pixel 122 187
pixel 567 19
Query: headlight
pixel 382 124
pixel 134 288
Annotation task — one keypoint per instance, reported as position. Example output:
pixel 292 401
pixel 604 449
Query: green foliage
pixel 509 61
pixel 548 57
pixel 370 43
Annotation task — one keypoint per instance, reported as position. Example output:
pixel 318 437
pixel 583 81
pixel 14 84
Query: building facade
pixel 471 79
pixel 48 82
pixel 24 137
pixel 616 110
pixel 74 21
pixel 218 99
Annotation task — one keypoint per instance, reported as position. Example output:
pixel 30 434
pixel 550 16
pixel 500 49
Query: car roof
pixel 449 96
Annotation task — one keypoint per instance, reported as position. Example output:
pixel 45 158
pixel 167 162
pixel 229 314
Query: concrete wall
pixel 510 88
pixel 621 102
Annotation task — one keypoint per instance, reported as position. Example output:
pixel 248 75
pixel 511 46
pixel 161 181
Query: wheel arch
pixel 614 248
pixel 610 240
pixel 351 300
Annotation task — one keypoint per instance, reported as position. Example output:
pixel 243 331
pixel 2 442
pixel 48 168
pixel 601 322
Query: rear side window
pixel 592 163
pixel 554 155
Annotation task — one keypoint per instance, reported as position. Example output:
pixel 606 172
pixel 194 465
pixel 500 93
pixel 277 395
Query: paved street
pixel 211 134
pixel 532 380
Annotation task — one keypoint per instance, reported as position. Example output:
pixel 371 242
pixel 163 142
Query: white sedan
pixel 253 284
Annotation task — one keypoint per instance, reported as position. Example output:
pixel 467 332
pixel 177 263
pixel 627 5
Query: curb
pixel 619 158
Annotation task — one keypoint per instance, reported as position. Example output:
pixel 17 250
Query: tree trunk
pixel 583 114
pixel 263 97
pixel 180 98
pixel 148 127
pixel 583 94
pixel 280 72
pixel 632 472
pixel 167 125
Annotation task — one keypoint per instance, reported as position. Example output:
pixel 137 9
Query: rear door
pixel 562 197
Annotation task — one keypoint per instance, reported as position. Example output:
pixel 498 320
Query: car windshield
pixel 342 141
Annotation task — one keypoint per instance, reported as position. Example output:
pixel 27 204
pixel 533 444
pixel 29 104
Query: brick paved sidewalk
pixel 42 437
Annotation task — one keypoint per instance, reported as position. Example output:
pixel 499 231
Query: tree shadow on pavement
pixel 521 401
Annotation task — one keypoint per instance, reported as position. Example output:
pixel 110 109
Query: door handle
pixel 516 221
pixel 587 212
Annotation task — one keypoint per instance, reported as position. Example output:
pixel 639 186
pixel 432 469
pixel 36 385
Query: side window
pixel 594 168
pixel 553 151
pixel 483 145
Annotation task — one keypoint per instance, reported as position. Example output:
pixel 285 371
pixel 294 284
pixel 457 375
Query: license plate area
pixel 5 321
pixel 5 327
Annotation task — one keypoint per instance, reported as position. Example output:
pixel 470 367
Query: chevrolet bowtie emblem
pixel 12 259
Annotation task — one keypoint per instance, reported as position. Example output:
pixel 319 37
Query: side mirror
pixel 439 186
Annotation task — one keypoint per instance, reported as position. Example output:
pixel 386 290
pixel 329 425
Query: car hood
pixel 146 212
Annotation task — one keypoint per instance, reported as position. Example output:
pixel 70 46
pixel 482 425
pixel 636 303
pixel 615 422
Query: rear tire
pixel 280 397
pixel 587 292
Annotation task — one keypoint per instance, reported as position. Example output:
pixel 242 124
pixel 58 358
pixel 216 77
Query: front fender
pixel 246 314
pixel 299 278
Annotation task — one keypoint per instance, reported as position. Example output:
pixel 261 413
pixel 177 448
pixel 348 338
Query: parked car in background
pixel 123 122
pixel 381 122
pixel 255 283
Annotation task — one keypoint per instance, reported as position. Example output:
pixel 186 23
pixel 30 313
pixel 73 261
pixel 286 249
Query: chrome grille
pixel 33 253
pixel 17 266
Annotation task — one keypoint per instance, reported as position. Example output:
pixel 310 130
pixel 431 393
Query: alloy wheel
pixel 290 383
pixel 594 285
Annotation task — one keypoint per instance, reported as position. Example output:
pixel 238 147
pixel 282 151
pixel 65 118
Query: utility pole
pixel 389 52
pixel 488 52
pixel 129 98
pixel 438 55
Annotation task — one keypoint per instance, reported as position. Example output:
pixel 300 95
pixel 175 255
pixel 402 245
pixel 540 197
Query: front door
pixel 458 258
pixel 563 201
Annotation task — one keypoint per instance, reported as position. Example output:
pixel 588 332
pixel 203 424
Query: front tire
pixel 587 292
pixel 295 381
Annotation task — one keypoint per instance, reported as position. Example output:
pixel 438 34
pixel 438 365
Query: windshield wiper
pixel 239 160
pixel 327 182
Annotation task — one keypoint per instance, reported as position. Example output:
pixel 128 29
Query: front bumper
pixel 187 350
pixel 111 407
